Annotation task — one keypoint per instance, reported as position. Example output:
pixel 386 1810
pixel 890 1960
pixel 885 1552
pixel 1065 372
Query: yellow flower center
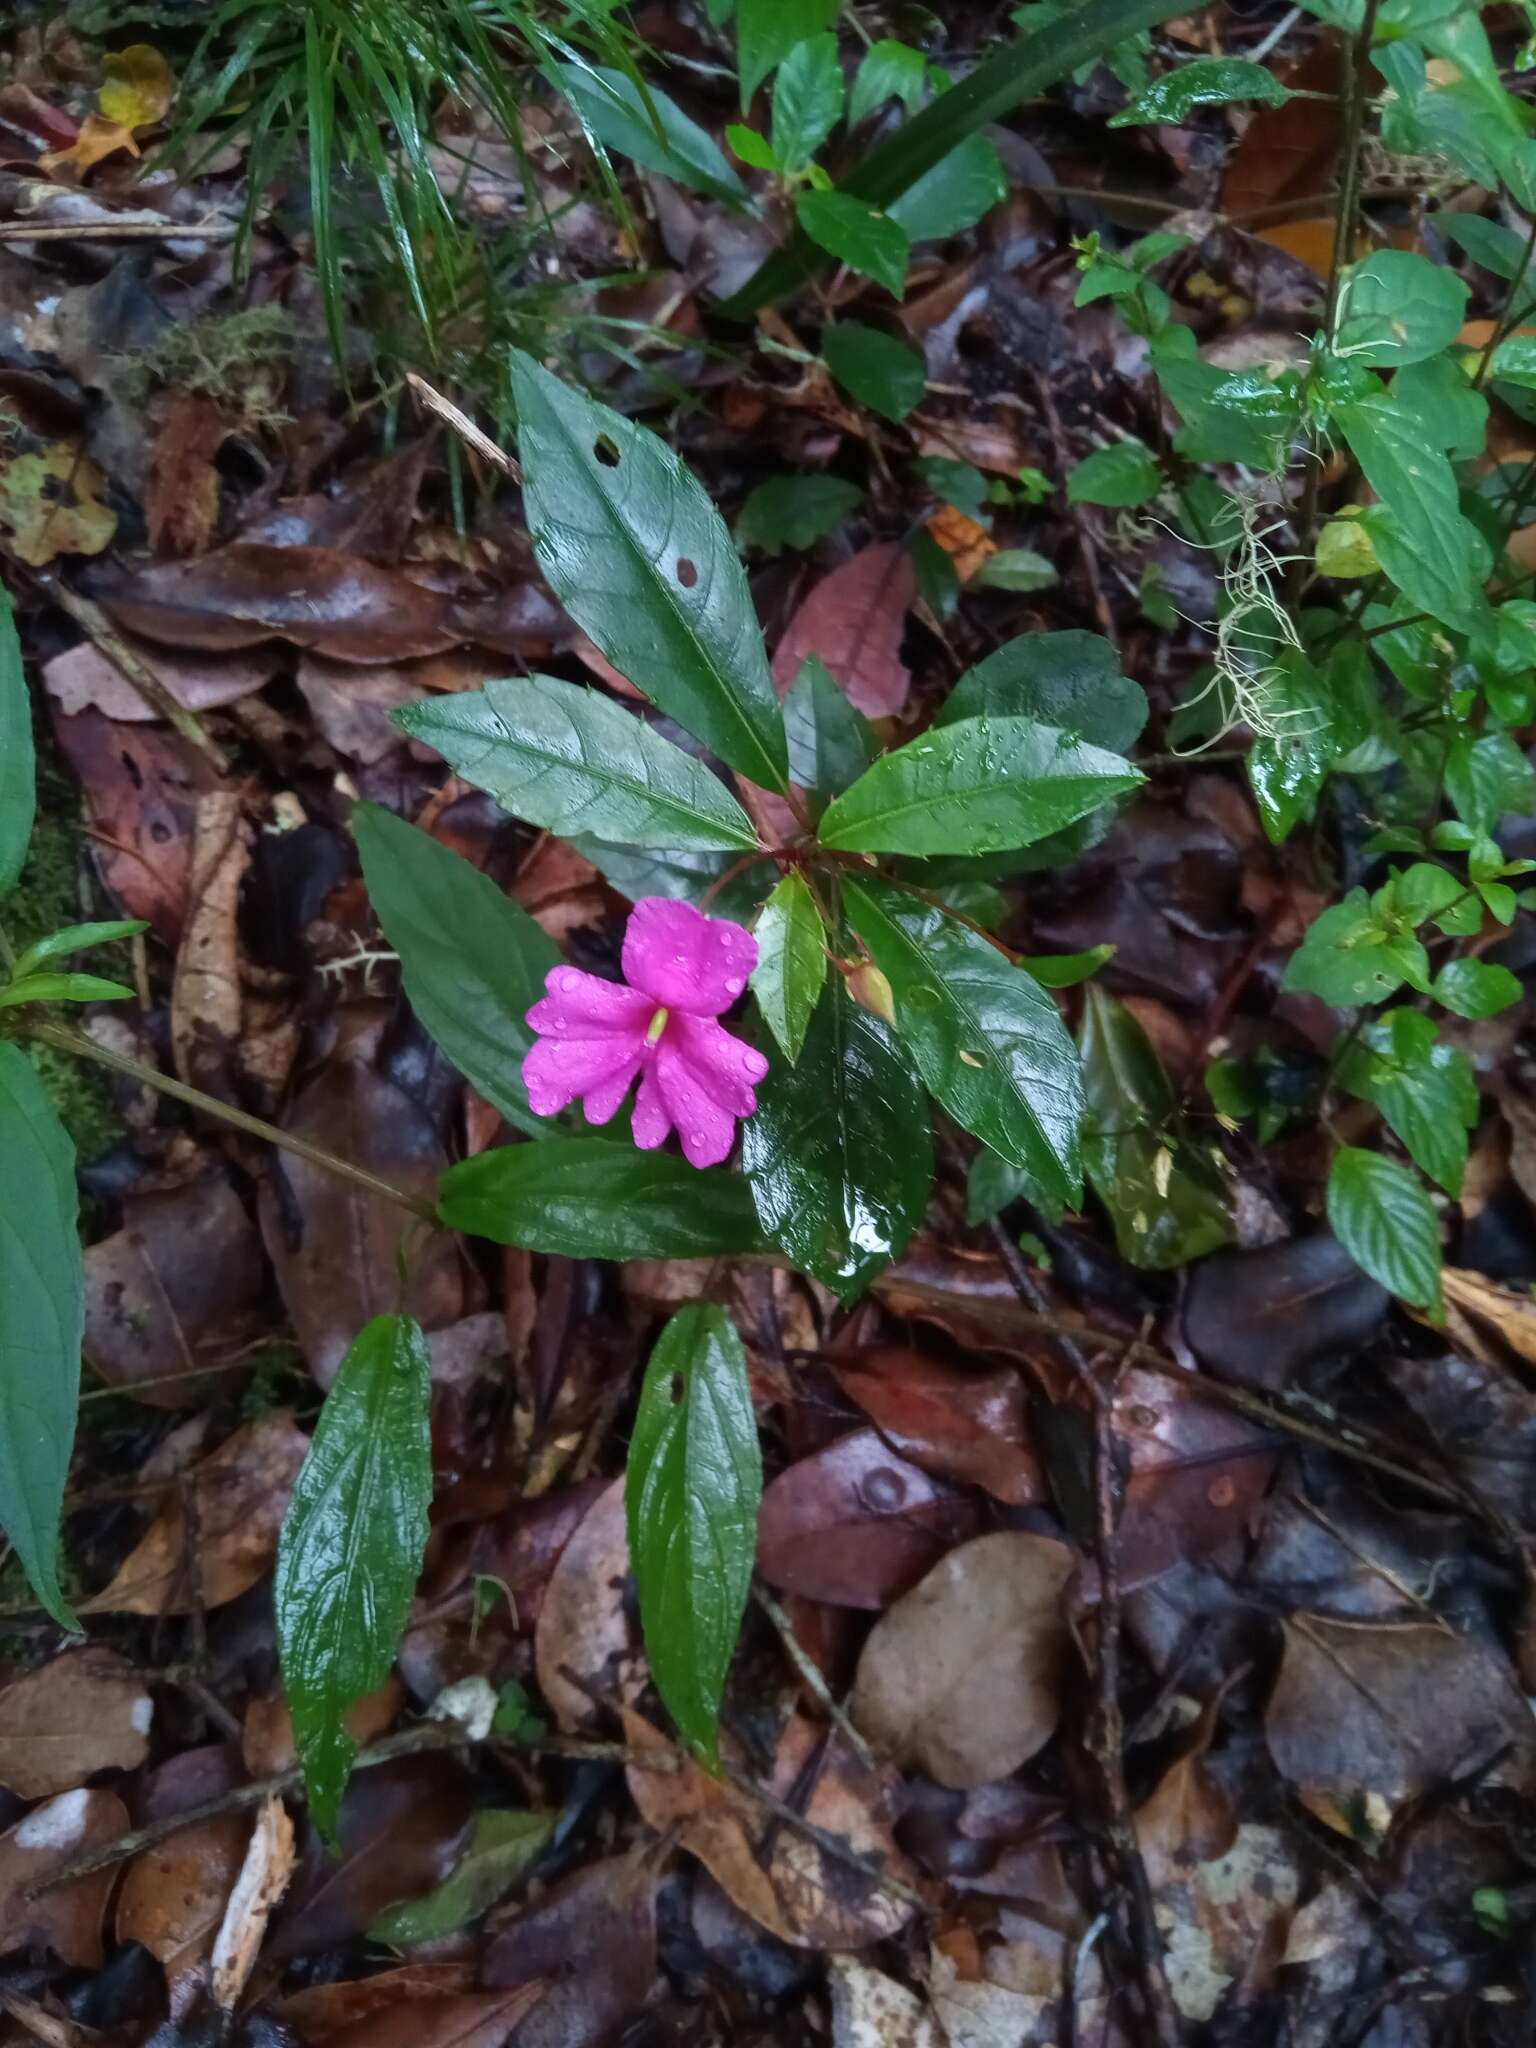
pixel 655 1028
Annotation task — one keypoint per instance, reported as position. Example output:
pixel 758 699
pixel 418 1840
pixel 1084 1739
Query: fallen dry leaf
pixel 593 1939
pixel 965 540
pixel 68 1920
pixel 84 1712
pixel 584 1624
pixel 138 86
pixel 50 504
pixel 181 495
pixel 98 138
pixel 854 620
pixel 263 1878
pixel 205 990
pixel 320 2012
pixel 871 2010
pixel 173 1899
pixel 84 679
pixel 966 1426
pixel 962 1677
pixel 1505 1309
pixel 474 2019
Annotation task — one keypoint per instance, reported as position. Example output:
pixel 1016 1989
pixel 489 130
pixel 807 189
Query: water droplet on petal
pixel 734 984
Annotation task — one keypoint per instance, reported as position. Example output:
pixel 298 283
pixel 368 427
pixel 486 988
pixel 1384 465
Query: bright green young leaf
pixel 876 369
pixel 839 1154
pixel 76 938
pixel 1397 307
pixel 570 760
pixel 1424 544
pixel 807 101
pixel 17 769
pixel 351 1547
pixel 1207 82
pixel 599 1198
pixel 63 988
pixel 1165 1198
pixel 691 1493
pixel 830 743
pixel 1066 970
pixel 1015 569
pixel 981 785
pixel 955 194
pixel 767 30
pixel 858 234
pixel 473 962
pixel 1126 473
pixel 1514 361
pixel 888 70
pixel 791 962
pixel 986 1039
pixel 1426 1091
pixel 795 511
pixel 1475 988
pixel 754 150
pixel 640 558
pixel 1247 416
pixel 1072 680
pixel 501 1848
pixel 42 1318
pixel 622 117
pixel 1382 1216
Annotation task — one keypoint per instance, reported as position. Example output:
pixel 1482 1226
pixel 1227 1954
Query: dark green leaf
pixel 1072 680
pixel 17 771
pixel 875 368
pixel 1207 82
pixel 1347 957
pixel 689 877
pixel 993 1184
pixel 791 962
pixel 888 70
pixel 1426 1091
pixel 1429 550
pixel 1126 473
pixel 1475 988
pixel 795 511
pixel 1487 775
pixel 63 988
pixel 1165 1198
pixel 830 744
pixel 598 1198
pixel 624 118
pixel 1288 765
pixel 640 558
pixel 472 961
pixel 986 1038
pixel 807 101
pixel 351 1547
pixel 979 786
pixel 570 760
pixel 692 1492
pixel 839 1155
pixel 42 1317
pixel 858 234
pixel 501 1848
pixel 767 30
pixel 76 938
pixel 1381 1215
pixel 1440 395
pixel 1397 307
pixel 955 194
pixel 1247 416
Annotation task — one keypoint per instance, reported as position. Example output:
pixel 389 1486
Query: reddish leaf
pixel 966 1426
pixel 181 497
pixel 476 2019
pixel 594 1939
pixel 854 620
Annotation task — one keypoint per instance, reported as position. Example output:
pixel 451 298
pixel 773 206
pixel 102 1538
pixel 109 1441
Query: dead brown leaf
pixel 871 2010
pixel 181 497
pixel 593 1939
pixel 965 540
pixel 584 1625
pixel 84 1712
pixel 85 679
pixel 264 1876
pixel 966 1426
pixel 854 620
pixel 205 993
pixel 1287 152
pixel 475 2019
pixel 98 138
pixel 68 1920
pixel 1511 1313
pixel 173 1898
pixel 322 2011
pixel 50 503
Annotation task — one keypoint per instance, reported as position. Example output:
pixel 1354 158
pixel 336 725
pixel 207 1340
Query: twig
pixel 1086 551
pixel 464 427
pixel 118 231
pixel 816 1684
pixel 829 1844
pixel 89 615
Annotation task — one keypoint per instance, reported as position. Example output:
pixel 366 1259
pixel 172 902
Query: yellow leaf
pixel 49 504
pixel 139 87
pixel 98 137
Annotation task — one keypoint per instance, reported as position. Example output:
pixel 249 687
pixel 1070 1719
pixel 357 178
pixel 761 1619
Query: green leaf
pixel 1440 395
pixel 1428 549
pixel 1347 957
pixel 1165 1198
pixel 76 938
pixel 1126 473
pixel 640 558
pixel 691 1493
pixel 1396 308
pixel 17 769
pixel 569 760
pixel 807 101
pixel 981 785
pixel 956 483
pixel 351 1547
pixel 1475 988
pixel 622 117
pixel 795 511
pixel 876 369
pixel 888 70
pixel 791 962
pixel 830 743
pixel 986 1038
pixel 42 1289
pixel 767 30
pixel 1514 361
pixel 688 877
pixel 754 150
pixel 1015 569
pixel 1383 1218
pixel 1288 766
pixel 955 194
pixel 599 1198
pixel 857 234
pixel 1246 416
pixel 1207 82
pixel 63 988
pixel 473 962
pixel 1487 775
pixel 502 1846
pixel 1426 1091
pixel 1072 680
pixel 1066 970
pixel 839 1155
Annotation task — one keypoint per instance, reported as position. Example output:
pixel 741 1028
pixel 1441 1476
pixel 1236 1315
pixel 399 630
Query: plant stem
pixel 42 1031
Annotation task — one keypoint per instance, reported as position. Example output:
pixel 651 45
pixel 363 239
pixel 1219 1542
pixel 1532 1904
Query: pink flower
pixel 595 1036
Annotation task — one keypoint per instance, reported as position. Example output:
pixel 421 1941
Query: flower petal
pixel 557 1070
pixel 706 1127
pixel 685 960
pixel 724 1066
pixel 651 1122
pixel 586 1005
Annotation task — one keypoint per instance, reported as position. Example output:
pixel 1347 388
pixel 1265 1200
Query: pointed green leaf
pixel 767 30
pixel 623 118
pixel 830 743
pixel 351 1547
pixel 42 1317
pixel 857 234
pixel 839 1154
pixel 1072 680
pixel 888 70
pixel 64 988
pixel 1127 473
pixel 642 561
pixel 955 194
pixel 18 794
pixel 1426 1091
pixel 1207 82
pixel 1424 544
pixel 76 938
pixel 876 369
pixel 473 962
pixel 1382 1216
pixel 986 1038
pixel 503 1845
pixel 807 101
pixel 692 1492
pixel 791 961
pixel 1476 988
pixel 569 760
pixel 981 785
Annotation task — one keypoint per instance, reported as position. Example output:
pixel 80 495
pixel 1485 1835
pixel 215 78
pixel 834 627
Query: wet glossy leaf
pixel 17 775
pixel 955 194
pixel 42 1287
pixel 1487 774
pixel 76 938
pixel 692 1492
pixel 791 962
pixel 595 1198
pixel 858 234
pixel 1475 988
pixel 980 785
pixel 1071 680
pixel 987 1039
pixel 1382 1216
pixel 839 1155
pixel 570 760
pixel 875 368
pixel 1397 308
pixel 503 1845
pixel 64 988
pixel 637 554
pixel 1207 82
pixel 830 744
pixel 1426 1091
pixel 888 70
pixel 351 1547
pixel 624 118
pixel 795 511
pixel 473 962
pixel 1429 550
pixel 807 101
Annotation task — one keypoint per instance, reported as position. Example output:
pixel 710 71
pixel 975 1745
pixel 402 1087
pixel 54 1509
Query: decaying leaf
pixel 173 1898
pixel 871 2010
pixel 966 1426
pixel 263 1878
pixel 50 504
pixel 585 1628
pixel 1507 1311
pixel 84 1712
pixel 854 620
pixel 68 1920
